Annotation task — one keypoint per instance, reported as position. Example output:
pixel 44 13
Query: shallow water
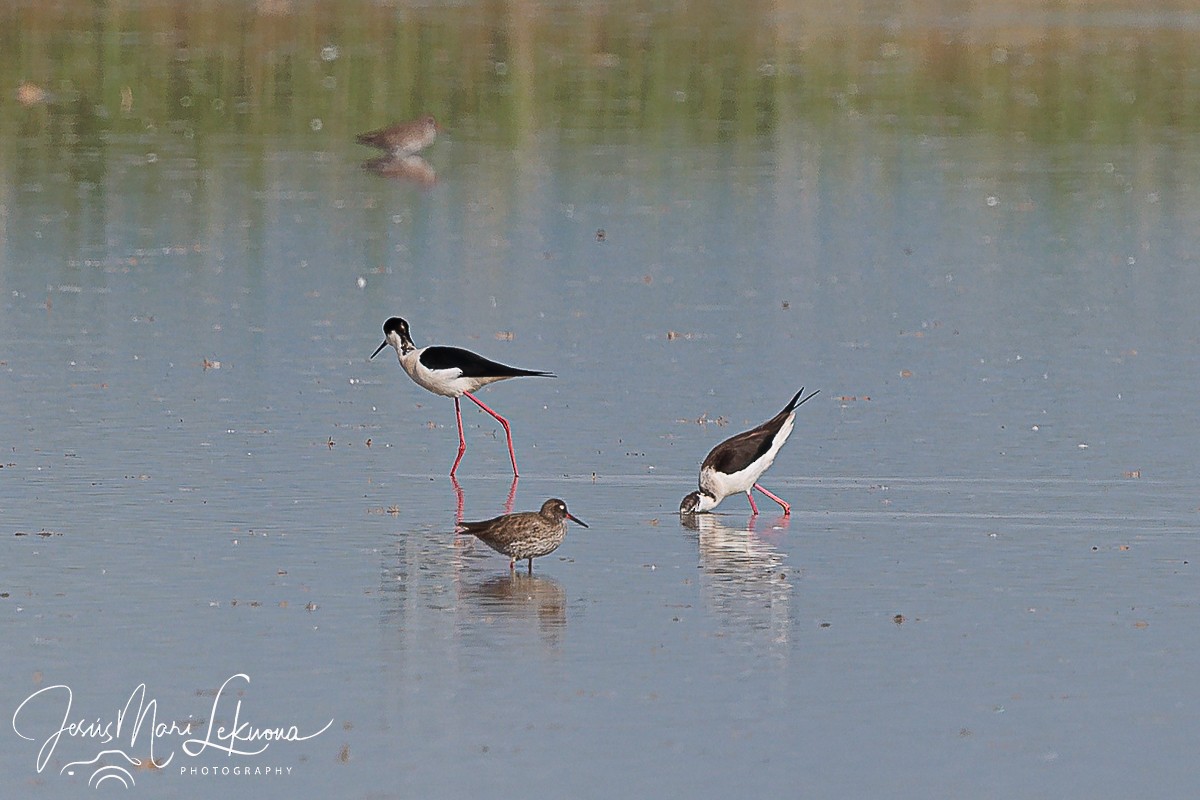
pixel 986 584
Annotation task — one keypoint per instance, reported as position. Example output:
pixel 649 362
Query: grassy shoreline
pixel 1061 72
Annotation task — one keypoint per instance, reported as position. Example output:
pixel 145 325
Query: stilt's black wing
pixel 473 365
pixel 737 453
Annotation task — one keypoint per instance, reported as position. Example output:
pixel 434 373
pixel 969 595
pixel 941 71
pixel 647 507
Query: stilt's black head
pixel 697 502
pixel 395 333
pixel 398 325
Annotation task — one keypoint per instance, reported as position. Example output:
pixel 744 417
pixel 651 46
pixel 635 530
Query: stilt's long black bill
pixel 377 349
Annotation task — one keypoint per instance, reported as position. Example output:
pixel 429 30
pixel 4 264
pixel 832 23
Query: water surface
pixel 985 587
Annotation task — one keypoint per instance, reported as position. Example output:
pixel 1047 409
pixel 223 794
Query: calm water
pixel 987 584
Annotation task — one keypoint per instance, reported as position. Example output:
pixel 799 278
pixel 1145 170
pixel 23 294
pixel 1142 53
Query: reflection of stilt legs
pixel 779 524
pixel 512 495
pixel 462 500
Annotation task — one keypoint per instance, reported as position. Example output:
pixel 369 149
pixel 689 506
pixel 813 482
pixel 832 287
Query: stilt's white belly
pixel 448 382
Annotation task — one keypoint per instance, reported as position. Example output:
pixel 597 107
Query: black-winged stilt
pixel 451 372
pixel 735 465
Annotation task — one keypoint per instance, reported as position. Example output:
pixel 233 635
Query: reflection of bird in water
pixel 735 465
pixel 526 535
pixel 519 595
pixel 743 576
pixel 403 139
pixel 461 498
pixel 404 168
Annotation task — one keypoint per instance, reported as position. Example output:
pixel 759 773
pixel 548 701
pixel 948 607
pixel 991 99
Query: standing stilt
pixel 452 372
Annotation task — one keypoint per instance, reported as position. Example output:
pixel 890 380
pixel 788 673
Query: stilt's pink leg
pixel 787 510
pixel 507 432
pixel 753 508
pixel 462 441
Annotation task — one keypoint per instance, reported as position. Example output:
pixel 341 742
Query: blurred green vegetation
pixel 690 71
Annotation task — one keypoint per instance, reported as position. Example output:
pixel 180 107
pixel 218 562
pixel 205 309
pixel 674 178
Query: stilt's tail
pixel 793 404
